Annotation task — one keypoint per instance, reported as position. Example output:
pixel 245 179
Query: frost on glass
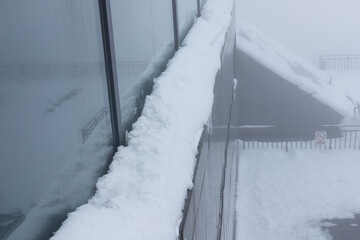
pixel 55 131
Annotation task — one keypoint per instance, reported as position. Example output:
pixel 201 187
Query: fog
pixel 309 28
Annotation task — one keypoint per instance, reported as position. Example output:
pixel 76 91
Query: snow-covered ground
pixel 348 82
pixel 283 196
pixel 286 196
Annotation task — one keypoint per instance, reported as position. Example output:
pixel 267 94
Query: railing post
pixel 111 74
pixel 355 140
pixel 356 109
pixel 345 140
pixel 175 24
pixel 198 8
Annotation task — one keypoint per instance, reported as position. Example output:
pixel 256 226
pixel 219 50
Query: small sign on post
pixel 320 138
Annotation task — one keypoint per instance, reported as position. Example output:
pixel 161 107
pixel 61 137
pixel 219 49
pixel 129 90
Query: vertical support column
pixel 198 8
pixel 175 24
pixel 111 74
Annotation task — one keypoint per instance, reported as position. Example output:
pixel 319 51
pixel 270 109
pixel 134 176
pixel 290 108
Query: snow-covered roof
pixel 292 68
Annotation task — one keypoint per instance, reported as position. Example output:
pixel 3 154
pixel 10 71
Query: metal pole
pixel 175 24
pixel 111 74
pixel 198 8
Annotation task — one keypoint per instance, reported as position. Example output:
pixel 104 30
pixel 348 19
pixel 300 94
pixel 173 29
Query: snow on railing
pixel 209 208
pixel 340 62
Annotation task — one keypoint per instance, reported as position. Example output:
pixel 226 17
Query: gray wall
pixel 202 210
pixel 263 98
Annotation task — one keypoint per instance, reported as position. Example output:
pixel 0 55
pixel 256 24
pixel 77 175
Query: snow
pixel 142 195
pixel 235 82
pixel 327 224
pixel 348 82
pixel 284 196
pixel 292 68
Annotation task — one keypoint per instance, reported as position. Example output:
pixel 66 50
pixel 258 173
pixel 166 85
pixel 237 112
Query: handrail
pixel 357 110
pixel 208 170
pixel 340 62
pixel 300 138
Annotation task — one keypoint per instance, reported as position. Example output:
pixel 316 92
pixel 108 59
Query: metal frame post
pixel 356 109
pixel 111 74
pixel 175 24
pixel 198 8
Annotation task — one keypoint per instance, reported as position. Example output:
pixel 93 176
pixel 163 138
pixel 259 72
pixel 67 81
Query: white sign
pixel 320 138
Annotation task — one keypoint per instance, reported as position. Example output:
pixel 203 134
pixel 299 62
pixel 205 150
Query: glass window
pixel 143 35
pixel 55 130
pixel 187 10
pixel 202 2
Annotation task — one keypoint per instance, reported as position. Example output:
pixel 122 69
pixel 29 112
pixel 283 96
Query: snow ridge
pixel 142 195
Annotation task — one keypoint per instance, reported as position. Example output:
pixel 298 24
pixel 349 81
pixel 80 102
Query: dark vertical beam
pixel 198 8
pixel 175 24
pixel 111 74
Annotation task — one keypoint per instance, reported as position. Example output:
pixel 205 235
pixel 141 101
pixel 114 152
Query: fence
pixel 209 211
pixel 131 70
pixel 203 209
pixel 348 137
pixel 89 128
pixel 340 62
pixel 46 71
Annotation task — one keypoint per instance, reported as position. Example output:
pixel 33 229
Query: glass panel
pixel 202 2
pixel 55 130
pixel 143 35
pixel 187 10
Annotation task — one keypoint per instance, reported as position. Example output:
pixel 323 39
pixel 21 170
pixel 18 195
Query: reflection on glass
pixel 187 10
pixel 55 131
pixel 143 37
pixel 202 2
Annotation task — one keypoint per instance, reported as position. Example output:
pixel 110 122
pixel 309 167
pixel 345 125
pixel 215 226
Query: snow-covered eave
pixel 276 58
pixel 142 195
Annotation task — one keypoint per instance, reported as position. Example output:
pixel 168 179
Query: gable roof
pixel 292 68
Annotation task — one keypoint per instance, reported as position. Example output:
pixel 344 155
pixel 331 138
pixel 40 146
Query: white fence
pixel 19 71
pixel 340 62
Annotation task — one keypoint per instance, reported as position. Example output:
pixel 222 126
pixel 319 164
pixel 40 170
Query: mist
pixel 309 28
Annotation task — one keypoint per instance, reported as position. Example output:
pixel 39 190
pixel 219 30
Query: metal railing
pixel 89 128
pixel 209 211
pixel 44 71
pixel 340 62
pixel 357 110
pixel 346 137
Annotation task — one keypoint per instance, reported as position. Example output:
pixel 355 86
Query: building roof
pixel 292 68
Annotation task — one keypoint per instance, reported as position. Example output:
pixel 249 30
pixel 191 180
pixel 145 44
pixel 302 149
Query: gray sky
pixel 307 27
